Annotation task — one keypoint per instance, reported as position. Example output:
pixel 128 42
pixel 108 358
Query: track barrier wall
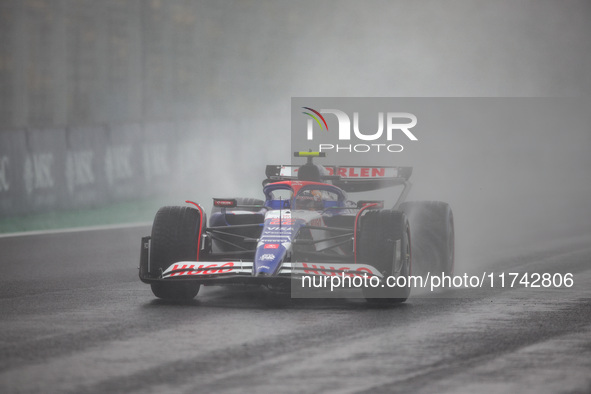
pixel 70 168
pixel 117 100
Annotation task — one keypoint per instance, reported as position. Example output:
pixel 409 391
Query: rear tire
pixel 175 237
pixel 433 236
pixel 384 242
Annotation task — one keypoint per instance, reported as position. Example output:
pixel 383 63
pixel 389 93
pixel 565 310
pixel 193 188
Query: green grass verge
pixel 117 213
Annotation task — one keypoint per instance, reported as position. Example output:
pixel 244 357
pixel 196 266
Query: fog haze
pixel 218 77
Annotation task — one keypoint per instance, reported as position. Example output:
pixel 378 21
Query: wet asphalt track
pixel 75 318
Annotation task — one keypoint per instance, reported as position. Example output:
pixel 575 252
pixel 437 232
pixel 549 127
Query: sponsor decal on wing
pixel 363 172
pixel 207 268
pixel 334 269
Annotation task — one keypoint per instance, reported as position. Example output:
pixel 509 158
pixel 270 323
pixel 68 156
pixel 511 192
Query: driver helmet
pixel 310 200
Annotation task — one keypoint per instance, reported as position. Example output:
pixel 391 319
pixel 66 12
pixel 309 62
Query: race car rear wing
pixel 348 178
pixel 362 178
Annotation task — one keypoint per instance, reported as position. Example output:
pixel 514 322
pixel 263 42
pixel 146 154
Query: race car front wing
pixel 243 272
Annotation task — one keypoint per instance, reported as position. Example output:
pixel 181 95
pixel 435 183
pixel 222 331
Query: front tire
pixel 384 242
pixel 175 237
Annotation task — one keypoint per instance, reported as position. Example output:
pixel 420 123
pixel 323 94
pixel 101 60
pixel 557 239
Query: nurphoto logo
pixel 397 123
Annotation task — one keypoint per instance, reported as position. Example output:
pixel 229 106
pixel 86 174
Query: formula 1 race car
pixel 305 226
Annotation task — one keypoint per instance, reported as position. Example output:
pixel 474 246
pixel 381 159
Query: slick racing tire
pixel 384 242
pixel 175 237
pixel 433 236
